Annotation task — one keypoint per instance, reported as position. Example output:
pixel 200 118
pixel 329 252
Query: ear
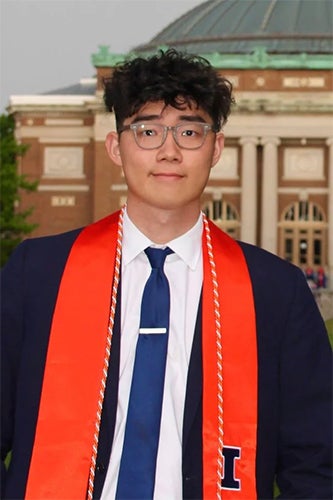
pixel 112 147
pixel 218 148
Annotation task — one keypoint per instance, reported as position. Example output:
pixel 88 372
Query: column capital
pixel 249 140
pixel 217 195
pixel 275 141
pixel 329 141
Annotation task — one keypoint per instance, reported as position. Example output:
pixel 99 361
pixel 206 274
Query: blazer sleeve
pixel 11 341
pixel 30 282
pixel 305 406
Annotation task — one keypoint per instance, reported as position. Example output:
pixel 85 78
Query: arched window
pixel 303 233
pixel 224 216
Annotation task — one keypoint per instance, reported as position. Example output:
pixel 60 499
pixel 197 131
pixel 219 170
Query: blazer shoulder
pixel 52 242
pixel 46 247
pixel 274 278
pixel 265 263
pixel 36 260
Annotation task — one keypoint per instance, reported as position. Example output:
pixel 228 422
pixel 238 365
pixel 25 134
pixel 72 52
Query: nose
pixel 169 150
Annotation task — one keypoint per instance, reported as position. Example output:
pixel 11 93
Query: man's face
pixel 169 177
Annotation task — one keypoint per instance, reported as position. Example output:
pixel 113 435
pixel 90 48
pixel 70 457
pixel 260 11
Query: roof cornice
pixel 258 59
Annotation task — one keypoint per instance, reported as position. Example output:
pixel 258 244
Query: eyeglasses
pixel 189 135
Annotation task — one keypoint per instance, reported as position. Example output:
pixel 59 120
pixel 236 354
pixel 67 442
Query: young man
pixel 233 390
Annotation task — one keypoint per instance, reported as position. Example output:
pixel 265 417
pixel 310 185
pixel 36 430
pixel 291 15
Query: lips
pixel 167 175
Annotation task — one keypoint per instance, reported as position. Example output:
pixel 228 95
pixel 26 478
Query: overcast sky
pixel 47 44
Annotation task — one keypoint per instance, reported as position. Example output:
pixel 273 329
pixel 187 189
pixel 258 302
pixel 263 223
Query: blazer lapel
pixel 109 411
pixel 192 425
pixel 194 380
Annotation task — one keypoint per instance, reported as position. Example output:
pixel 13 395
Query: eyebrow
pixel 144 118
pixel 185 118
pixel 192 118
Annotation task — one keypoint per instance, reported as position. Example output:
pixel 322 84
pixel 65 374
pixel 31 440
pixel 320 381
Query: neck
pixel 161 225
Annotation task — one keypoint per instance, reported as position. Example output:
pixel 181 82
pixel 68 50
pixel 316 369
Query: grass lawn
pixel 329 326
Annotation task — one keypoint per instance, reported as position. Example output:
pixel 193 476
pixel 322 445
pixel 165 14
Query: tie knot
pixel 157 256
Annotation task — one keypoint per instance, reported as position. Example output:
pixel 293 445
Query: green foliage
pixel 13 223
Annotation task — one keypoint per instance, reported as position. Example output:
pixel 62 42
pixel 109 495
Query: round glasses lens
pixel 149 135
pixel 191 135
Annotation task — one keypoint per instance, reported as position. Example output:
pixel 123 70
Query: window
pixel 303 234
pixel 224 215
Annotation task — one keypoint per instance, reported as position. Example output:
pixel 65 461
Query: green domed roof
pixel 241 26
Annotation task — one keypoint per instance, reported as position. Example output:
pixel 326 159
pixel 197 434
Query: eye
pixel 148 132
pixel 145 130
pixel 189 132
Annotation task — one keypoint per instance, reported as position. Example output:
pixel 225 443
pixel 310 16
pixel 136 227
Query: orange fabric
pixel 239 354
pixel 64 436
pixel 63 442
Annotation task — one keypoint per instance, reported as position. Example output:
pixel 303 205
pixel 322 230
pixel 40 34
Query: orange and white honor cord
pixel 116 279
pixel 218 336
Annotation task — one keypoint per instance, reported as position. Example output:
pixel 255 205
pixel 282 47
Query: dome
pixel 242 26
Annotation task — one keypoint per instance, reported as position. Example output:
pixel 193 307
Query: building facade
pixel 274 183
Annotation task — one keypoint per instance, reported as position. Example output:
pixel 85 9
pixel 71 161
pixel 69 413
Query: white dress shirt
pixel 184 271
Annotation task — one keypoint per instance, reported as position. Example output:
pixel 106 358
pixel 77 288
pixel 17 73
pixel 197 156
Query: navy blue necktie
pixel 138 461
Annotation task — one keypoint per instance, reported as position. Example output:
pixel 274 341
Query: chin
pixel 171 203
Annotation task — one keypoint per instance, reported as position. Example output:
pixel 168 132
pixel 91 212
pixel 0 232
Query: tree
pixel 13 222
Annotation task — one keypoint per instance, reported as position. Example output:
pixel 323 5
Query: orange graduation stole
pixel 65 446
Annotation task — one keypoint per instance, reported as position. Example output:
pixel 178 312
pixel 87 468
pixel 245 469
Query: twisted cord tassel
pixel 218 357
pixel 116 278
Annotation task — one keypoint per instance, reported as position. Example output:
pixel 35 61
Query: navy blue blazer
pixel 294 375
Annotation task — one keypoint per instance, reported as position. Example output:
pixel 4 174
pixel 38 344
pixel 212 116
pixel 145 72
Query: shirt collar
pixel 187 246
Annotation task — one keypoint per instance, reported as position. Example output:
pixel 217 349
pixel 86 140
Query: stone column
pixel 269 206
pixel 249 189
pixel 329 142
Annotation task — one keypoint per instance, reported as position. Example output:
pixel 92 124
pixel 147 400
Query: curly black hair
pixel 176 78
